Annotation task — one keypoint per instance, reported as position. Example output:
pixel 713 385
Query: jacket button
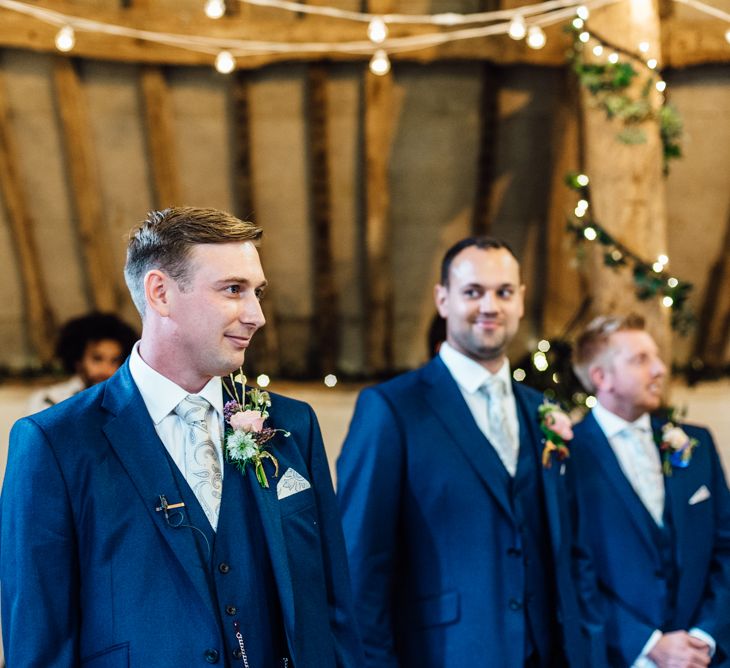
pixel 515 604
pixel 231 610
pixel 211 655
pixel 237 654
pixel 223 567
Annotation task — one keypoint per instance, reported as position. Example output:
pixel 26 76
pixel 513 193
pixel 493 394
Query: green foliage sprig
pixel 648 283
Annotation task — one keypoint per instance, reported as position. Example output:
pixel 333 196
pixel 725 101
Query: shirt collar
pixel 611 424
pixel 161 395
pixel 471 375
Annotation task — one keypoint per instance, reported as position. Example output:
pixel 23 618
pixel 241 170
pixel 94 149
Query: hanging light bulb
pixel 214 9
pixel 583 12
pixel 377 30
pixel 582 180
pixel 644 47
pixel 597 49
pixel 536 37
pixel 578 23
pixel 727 36
pixel 65 39
pixel 613 58
pixel 584 37
pixel 380 63
pixel 661 86
pixel 225 63
pixel 652 63
pixel 517 29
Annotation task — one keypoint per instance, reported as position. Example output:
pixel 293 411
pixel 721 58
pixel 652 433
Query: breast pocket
pixel 295 503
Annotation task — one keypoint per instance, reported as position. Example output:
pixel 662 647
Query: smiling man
pixel 129 537
pixel 459 540
pixel 659 508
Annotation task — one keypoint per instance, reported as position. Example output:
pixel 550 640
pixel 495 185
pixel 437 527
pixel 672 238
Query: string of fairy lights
pixel 522 23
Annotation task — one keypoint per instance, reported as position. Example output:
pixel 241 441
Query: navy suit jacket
pixel 627 561
pixel 92 575
pixel 424 510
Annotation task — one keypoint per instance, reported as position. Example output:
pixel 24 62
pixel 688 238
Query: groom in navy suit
pixel 129 539
pixel 459 540
pixel 659 507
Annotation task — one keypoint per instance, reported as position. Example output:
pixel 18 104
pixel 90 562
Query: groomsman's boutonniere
pixel 246 436
pixel 558 430
pixel 676 448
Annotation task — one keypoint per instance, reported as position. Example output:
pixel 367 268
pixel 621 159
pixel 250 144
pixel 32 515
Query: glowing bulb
pixel 556 378
pixel 447 19
pixel 667 301
pixel 543 345
pixel 263 380
pixel 584 36
pixel 330 380
pixel 663 259
pixel 672 282
pixel 661 86
pixel 657 267
pixel 616 254
pixel 597 50
pixel 214 9
pixel 727 36
pixel 583 203
pixel 519 375
pixel 583 12
pixel 517 29
pixel 540 361
pixel 591 401
pixel 377 30
pixel 582 180
pixel 65 39
pixel 536 37
pixel 590 234
pixel 652 63
pixel 613 58
pixel 644 47
pixel 579 212
pixel 380 63
pixel 578 23
pixel 225 63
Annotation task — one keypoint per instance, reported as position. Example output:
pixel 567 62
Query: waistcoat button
pixel 211 655
pixel 223 567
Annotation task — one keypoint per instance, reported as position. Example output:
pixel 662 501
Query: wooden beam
pixel 40 324
pixel 20 31
pixel 160 137
pixel 102 287
pixel 325 346
pixel 487 159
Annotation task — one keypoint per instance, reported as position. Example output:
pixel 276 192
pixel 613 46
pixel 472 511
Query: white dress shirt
pixel 642 469
pixel 161 396
pixel 470 376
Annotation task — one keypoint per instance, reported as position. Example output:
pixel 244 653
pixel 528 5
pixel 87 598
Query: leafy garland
pixel 609 83
pixel 649 280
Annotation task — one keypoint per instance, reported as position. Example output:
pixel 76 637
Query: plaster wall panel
pixel 14 350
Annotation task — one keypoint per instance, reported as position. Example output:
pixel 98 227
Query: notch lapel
pixel 445 398
pixel 611 470
pixel 133 438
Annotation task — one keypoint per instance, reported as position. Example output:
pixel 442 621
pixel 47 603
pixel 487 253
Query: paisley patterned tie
pixel 500 433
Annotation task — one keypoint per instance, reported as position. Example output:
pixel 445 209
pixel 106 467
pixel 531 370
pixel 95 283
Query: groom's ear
pixel 157 286
pixel 598 377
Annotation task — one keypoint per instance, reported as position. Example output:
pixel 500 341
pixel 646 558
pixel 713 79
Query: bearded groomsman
pixel 659 506
pixel 458 536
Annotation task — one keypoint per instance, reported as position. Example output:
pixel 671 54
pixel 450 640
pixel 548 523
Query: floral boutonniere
pixel 558 430
pixel 246 436
pixel 676 447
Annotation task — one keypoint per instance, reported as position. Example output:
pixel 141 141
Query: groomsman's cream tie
pixel 498 427
pixel 648 480
pixel 202 467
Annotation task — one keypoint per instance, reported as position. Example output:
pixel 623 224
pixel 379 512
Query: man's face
pixel 482 304
pixel 99 361
pixel 212 318
pixel 630 379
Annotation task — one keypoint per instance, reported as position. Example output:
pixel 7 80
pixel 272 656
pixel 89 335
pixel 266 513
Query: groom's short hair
pixel 165 239
pixel 593 342
pixel 481 242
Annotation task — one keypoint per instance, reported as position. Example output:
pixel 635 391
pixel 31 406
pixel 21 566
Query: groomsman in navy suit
pixel 659 507
pixel 129 540
pixel 458 538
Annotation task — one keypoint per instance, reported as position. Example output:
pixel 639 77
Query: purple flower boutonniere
pixel 558 431
pixel 676 448
pixel 245 434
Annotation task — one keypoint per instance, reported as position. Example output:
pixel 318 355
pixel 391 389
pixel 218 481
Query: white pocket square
pixel 700 495
pixel 291 483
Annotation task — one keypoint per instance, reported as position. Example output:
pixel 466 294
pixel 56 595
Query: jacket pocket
pixel 437 610
pixel 116 656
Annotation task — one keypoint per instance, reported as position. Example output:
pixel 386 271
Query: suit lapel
pixel 611 470
pixel 445 398
pixel 135 441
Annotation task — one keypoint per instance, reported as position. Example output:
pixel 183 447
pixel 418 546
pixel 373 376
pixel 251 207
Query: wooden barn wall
pixel 432 180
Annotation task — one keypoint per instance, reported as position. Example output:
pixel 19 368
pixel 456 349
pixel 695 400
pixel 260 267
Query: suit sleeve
pixel 348 650
pixel 39 567
pixel 370 471
pixel 713 617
